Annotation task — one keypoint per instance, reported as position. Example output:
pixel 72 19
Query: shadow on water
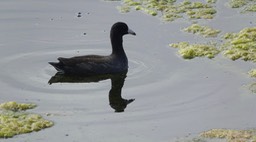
pixel 117 82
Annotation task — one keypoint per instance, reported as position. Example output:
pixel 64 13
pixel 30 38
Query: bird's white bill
pixel 131 32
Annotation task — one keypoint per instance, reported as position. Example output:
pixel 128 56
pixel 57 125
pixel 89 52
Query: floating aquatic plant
pixel 252 72
pixel 248 5
pixel 237 3
pixel 14 120
pixel 171 10
pixel 241 45
pixel 211 1
pixel 124 9
pixel 202 30
pixel 251 8
pixel 14 106
pixel 190 51
pixel 236 45
pixel 231 135
pixel 252 87
pixel 227 135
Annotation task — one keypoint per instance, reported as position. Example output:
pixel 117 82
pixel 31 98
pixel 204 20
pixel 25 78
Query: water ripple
pixel 31 71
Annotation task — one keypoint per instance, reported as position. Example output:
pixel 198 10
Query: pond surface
pixel 173 97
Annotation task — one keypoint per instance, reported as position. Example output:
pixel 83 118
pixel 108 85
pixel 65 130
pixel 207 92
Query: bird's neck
pixel 117 45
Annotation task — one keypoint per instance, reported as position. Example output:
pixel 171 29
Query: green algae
pixel 171 10
pixel 211 1
pixel 190 51
pixel 241 45
pixel 247 5
pixel 251 8
pixel 252 72
pixel 205 31
pixel 14 120
pixel 227 135
pixel 231 135
pixel 237 3
pixel 252 87
pixel 14 106
pixel 124 9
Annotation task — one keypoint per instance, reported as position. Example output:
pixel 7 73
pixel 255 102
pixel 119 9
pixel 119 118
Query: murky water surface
pixel 173 97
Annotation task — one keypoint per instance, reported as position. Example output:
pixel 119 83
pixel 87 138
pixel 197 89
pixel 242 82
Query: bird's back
pixel 90 65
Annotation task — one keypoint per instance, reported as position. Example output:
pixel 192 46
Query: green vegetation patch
pixel 14 106
pixel 251 8
pixel 202 30
pixel 231 135
pixel 252 87
pixel 190 51
pixel 241 45
pixel 211 1
pixel 252 72
pixel 171 10
pixel 14 120
pixel 247 5
pixel 237 3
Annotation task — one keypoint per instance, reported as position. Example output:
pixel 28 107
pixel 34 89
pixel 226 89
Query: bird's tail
pixel 57 66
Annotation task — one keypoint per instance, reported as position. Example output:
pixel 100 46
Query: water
pixel 173 97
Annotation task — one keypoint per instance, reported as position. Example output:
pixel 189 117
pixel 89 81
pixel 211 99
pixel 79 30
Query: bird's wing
pixel 91 59
pixel 89 64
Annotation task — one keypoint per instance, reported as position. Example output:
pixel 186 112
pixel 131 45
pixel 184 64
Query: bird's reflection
pixel 117 82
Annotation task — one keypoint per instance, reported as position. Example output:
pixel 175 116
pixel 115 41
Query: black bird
pixel 116 62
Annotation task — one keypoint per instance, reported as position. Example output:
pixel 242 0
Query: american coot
pixel 94 64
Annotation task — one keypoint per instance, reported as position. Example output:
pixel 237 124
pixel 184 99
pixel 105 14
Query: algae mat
pixel 14 120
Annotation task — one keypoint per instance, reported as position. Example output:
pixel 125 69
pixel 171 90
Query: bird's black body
pixel 116 62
